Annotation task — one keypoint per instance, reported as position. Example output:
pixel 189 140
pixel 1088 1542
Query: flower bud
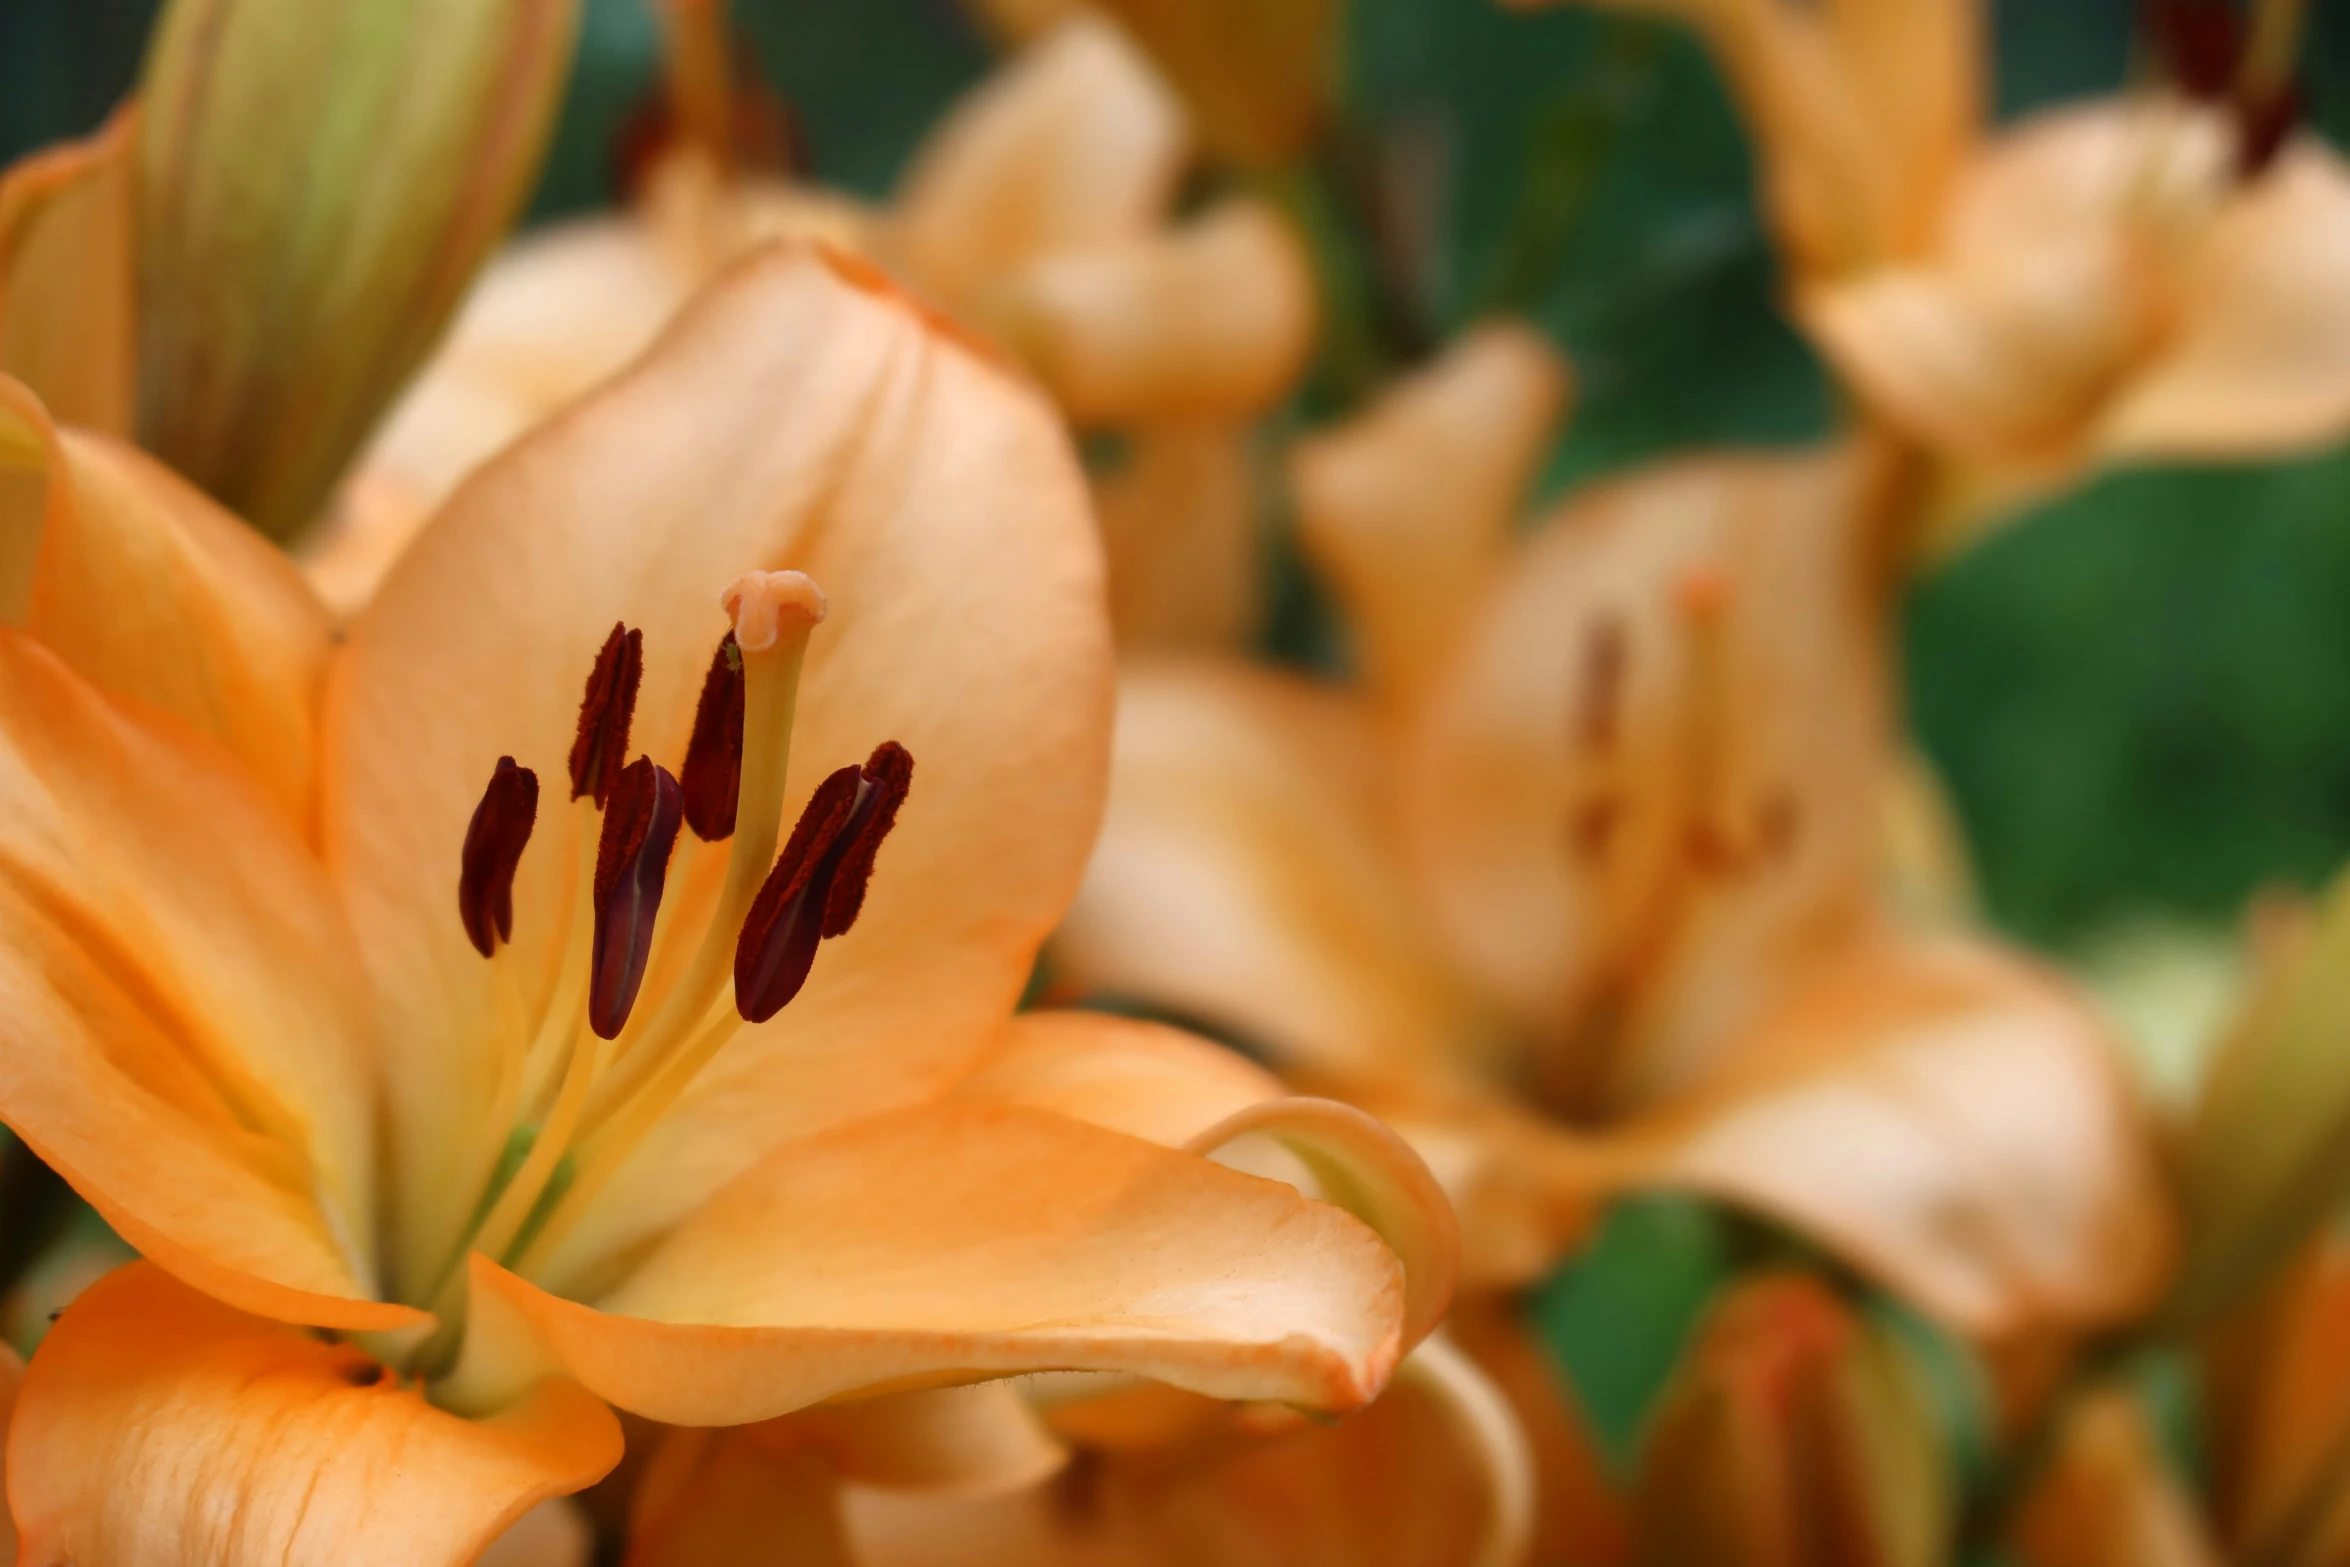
pixel 2107 1499
pixel 317 184
pixel 2266 1155
pixel 1796 1435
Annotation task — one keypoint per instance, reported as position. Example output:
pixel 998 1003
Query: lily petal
pixel 1244 876
pixel 1171 1088
pixel 728 1499
pixel 1211 320
pixel 1409 506
pixel 158 1426
pixel 1916 67
pixel 1949 1120
pixel 152 592
pixel 796 415
pixel 960 1241
pixel 1078 142
pixel 744 1496
pixel 1179 524
pixel 183 1023
pixel 2260 360
pixel 1649 784
pixel 1144 1079
pixel 68 275
pixel 1435 1471
pixel 1370 1172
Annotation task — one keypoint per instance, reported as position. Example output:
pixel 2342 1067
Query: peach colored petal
pixel 2108 1499
pixel 1916 67
pixel 727 1499
pixel 1951 1121
pixel 958 1242
pixel 1434 1471
pixel 1168 1087
pixel 2259 361
pixel 184 1033
pixel 1997 366
pixel 978 1440
pixel 152 592
pixel 1186 553
pixel 1373 1174
pixel 557 312
pixel 68 285
pixel 1649 783
pixel 158 1426
pixel 1076 143
pixel 1525 1189
pixel 1144 1079
pixel 1579 1510
pixel 1213 319
pixel 796 416
pixel 1244 876
pixel 1408 507
pixel 553 1534
pixel 755 1494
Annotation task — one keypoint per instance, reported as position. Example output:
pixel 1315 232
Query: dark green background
pixel 2141 698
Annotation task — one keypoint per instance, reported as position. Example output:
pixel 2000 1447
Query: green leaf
pixel 1615 1319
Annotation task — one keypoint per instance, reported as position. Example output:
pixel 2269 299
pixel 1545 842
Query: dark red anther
pixel 600 750
pixel 2198 42
pixel 632 863
pixel 2263 128
pixel 494 841
pixel 817 887
pixel 714 756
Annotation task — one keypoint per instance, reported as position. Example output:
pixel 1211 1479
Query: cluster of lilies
pixel 636 866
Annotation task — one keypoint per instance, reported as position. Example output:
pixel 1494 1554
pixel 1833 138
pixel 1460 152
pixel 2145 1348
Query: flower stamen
pixel 818 884
pixel 600 749
pixel 494 841
pixel 713 773
pixel 632 868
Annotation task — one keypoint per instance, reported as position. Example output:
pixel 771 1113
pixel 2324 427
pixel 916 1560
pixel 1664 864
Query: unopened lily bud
pixel 1255 73
pixel 2266 1157
pixel 2107 1499
pixel 1796 1436
pixel 317 184
pixel 2276 1396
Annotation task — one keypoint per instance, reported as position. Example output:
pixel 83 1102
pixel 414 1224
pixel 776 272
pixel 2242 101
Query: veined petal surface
pixel 183 1034
pixel 956 1242
pixel 158 1427
pixel 152 592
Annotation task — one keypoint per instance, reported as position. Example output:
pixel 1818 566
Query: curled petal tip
pixel 763 602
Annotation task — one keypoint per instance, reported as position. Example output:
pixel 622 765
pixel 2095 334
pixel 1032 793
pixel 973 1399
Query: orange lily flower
pixel 1581 889
pixel 2145 277
pixel 433 1110
pixel 1110 1469
pixel 1039 213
